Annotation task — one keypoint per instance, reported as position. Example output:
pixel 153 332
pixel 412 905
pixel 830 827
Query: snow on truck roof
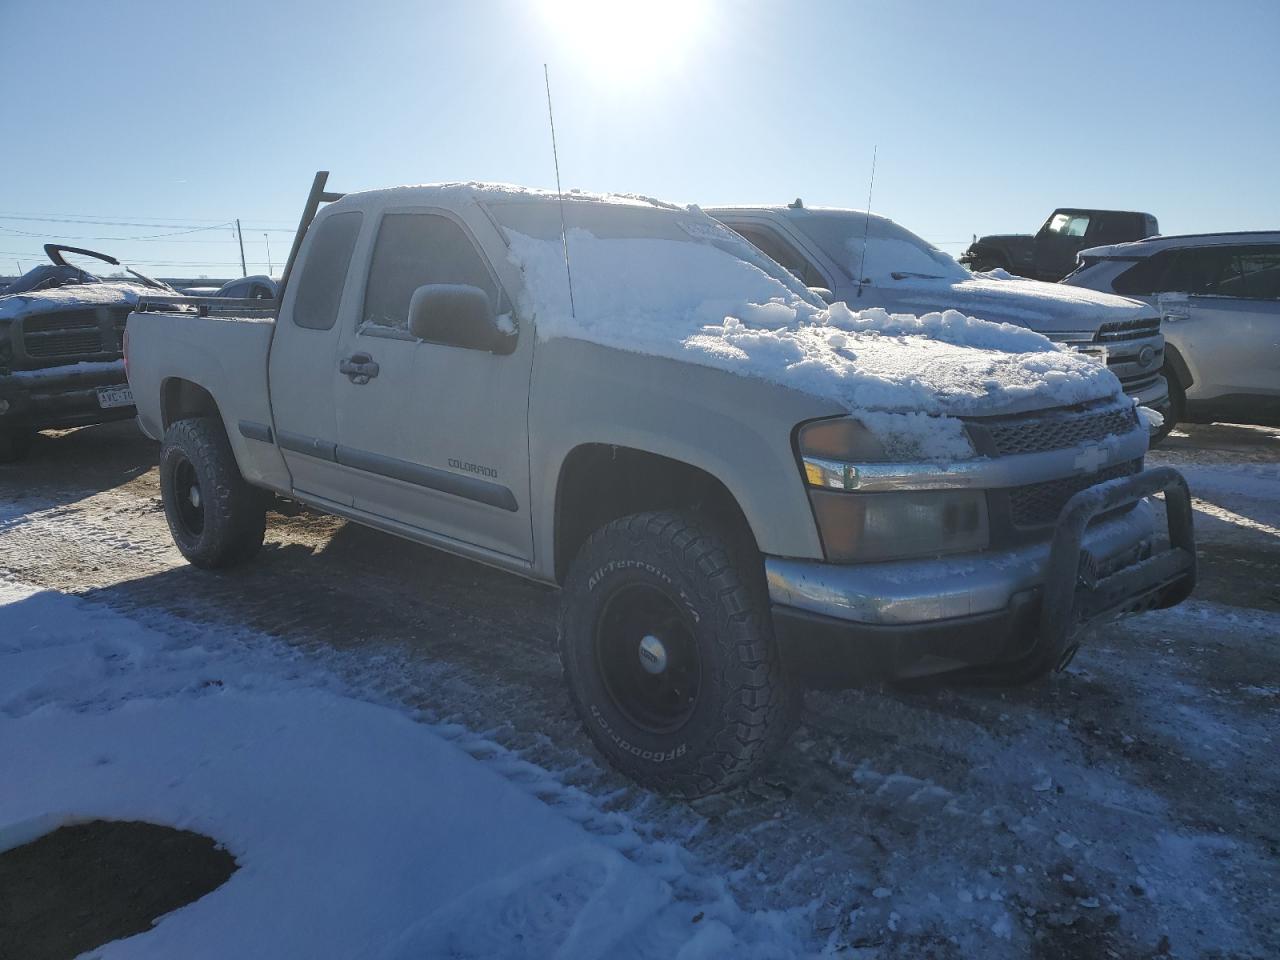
pixel 497 193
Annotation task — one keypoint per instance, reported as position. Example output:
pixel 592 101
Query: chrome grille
pixel 1038 504
pixel 1050 431
pixel 1127 330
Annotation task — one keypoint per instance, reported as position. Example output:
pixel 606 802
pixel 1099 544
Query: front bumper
pixel 1019 605
pixel 61 396
pixel 1154 395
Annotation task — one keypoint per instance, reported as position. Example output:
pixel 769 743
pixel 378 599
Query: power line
pixel 28 255
pixel 118 221
pixel 157 236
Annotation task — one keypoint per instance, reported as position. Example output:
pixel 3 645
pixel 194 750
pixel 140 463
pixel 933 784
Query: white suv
pixel 1220 297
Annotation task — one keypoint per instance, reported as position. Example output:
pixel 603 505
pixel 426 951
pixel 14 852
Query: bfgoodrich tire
pixel 216 518
pixel 669 654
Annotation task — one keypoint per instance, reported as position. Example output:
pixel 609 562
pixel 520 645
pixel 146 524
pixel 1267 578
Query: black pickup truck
pixel 61 360
pixel 1050 254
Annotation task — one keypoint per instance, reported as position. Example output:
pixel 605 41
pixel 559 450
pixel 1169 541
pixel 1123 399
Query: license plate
pixel 114 397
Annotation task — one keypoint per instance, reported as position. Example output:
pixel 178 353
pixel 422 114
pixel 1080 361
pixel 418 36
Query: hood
pixel 109 293
pixel 1004 237
pixel 909 379
pixel 1044 307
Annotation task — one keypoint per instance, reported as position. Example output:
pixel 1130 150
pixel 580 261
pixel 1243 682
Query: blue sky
pixel 986 115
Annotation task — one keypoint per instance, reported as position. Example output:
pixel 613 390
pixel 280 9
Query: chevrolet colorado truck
pixel 870 261
pixel 737 488
pixel 1051 253
pixel 60 348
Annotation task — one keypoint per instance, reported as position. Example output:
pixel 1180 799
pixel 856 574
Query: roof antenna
pixel 862 277
pixel 564 233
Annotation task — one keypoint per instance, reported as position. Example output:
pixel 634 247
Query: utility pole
pixel 268 240
pixel 244 271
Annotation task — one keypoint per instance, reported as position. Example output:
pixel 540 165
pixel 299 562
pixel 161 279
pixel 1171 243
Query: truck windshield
pixel 617 221
pixel 892 254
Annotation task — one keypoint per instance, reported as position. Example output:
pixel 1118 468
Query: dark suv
pixel 1051 253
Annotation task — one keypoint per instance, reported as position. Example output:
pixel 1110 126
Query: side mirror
pixel 459 315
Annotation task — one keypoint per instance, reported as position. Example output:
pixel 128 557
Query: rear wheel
pixel 15 443
pixel 216 518
pixel 668 650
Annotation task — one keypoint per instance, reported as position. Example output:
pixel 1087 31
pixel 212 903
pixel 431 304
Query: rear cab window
pixel 324 272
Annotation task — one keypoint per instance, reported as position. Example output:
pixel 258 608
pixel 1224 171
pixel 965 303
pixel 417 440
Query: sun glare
pixel 627 41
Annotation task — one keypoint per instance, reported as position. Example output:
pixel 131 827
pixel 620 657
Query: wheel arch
pixel 600 482
pixel 1174 361
pixel 183 399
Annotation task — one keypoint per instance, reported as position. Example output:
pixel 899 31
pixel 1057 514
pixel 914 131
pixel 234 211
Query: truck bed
pixel 179 348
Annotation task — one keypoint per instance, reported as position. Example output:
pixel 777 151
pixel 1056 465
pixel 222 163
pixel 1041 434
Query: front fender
pixel 736 428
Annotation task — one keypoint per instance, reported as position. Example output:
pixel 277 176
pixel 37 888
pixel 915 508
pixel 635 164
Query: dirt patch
pixel 82 886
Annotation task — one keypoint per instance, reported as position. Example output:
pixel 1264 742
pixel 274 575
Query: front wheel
pixel 1177 409
pixel 216 518
pixel 668 650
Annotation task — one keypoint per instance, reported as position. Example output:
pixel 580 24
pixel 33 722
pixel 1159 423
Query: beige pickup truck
pixel 738 488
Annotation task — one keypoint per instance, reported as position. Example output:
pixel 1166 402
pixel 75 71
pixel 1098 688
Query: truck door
pixel 304 358
pixel 439 431
pixel 1057 244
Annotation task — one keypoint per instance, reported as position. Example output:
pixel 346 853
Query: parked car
pixel 1051 253
pixel 257 287
pixel 870 261
pixel 717 515
pixel 1220 295
pixel 60 349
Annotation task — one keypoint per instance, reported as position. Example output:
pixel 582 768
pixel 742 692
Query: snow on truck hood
pixel 906 377
pixel 106 294
pixel 1046 307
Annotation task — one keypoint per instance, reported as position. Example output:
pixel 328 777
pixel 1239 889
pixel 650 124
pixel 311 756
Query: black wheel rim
pixel 647 655
pixel 188 498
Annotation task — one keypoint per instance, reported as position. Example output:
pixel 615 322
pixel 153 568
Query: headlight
pixel 881 526
pixel 894 526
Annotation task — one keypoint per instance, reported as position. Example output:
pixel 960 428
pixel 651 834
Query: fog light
pixel 4 407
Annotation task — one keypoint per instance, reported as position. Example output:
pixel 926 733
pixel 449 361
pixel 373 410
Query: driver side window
pixel 416 249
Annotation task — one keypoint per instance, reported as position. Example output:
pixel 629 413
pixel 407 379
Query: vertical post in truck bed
pixel 314 199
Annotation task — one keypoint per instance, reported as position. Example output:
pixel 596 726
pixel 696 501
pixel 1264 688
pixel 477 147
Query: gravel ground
pixel 1125 808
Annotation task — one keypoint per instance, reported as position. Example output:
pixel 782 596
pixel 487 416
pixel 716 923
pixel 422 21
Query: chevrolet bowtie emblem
pixel 1090 459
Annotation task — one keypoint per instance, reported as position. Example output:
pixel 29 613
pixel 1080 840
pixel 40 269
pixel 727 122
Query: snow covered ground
pixel 359 833
pixel 379 734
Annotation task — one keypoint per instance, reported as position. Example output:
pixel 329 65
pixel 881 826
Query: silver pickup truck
pixel 784 493
pixel 870 261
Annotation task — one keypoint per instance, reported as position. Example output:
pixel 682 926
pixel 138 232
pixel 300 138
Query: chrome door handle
pixel 359 368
